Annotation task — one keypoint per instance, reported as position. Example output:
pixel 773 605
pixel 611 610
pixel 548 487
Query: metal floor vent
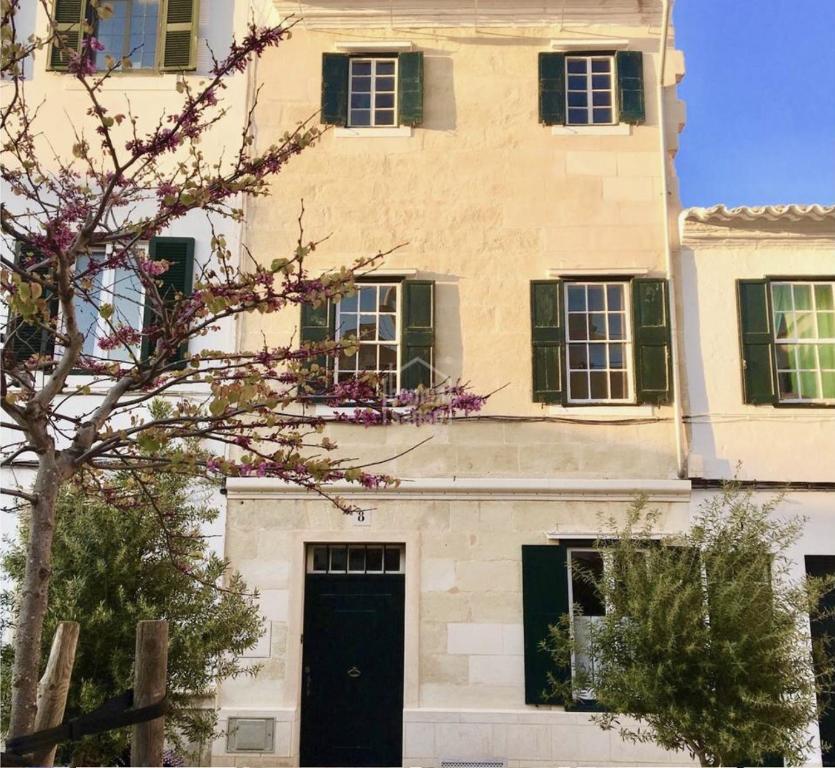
pixel 491 763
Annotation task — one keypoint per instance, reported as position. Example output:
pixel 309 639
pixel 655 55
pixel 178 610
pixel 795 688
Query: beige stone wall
pixel 485 200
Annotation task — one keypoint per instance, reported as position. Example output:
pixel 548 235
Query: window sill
pixel 607 412
pixel 621 129
pixel 136 80
pixel 334 412
pixel 372 133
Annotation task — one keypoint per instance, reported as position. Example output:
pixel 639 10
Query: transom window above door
pixel 370 321
pixel 599 342
pixel 804 339
pixel 373 92
pixel 356 558
pixel 590 90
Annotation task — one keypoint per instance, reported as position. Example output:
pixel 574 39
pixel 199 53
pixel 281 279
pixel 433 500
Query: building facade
pixel 524 158
pixel 758 330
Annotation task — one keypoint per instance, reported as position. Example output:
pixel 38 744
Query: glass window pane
pixel 577 357
pixel 578 117
pixel 575 66
pixel 360 117
pixel 786 356
pixel 388 299
pixel 599 385
pixel 828 384
pixel 361 67
pixel 601 65
pixel 616 326
pixel 596 298
pixel 614 297
pixel 616 358
pixel 392 559
pixel 356 559
pixel 601 82
pixel 87 305
pixel 597 356
pixel 802 296
pixel 384 117
pixel 602 115
pixel 805 325
pixel 360 84
pixel 789 385
pixel 807 358
pixel 384 84
pixel 368 327
pixel 577 327
pixel 826 325
pixel 597 326
pixel 385 67
pixel 347 362
pixel 348 303
pixel 388 357
pixel 374 559
pixel 576 298
pixel 579 386
pixel 387 332
pixel 784 325
pixel 339 559
pixel 385 100
pixel 368 357
pixel 347 327
pixel 578 99
pixel 368 298
pixel 577 82
pixel 320 558
pixel 586 567
pixel 809 386
pixel 602 99
pixel 826 354
pixel 360 101
pixel 781 294
pixel 128 308
pixel 617 385
pixel 824 298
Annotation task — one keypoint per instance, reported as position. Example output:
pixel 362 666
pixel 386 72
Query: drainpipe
pixel 681 469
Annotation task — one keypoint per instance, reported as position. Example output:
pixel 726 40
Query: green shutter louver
pixel 653 353
pixel 178 44
pixel 547 341
pixel 334 89
pixel 29 339
pixel 544 601
pixel 69 17
pixel 410 88
pixel 177 280
pixel 417 334
pixel 756 342
pixel 552 88
pixel 631 101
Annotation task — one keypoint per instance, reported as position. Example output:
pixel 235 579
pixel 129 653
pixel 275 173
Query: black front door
pixel 824 565
pixel 352 670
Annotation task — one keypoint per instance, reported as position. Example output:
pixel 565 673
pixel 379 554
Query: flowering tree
pixel 67 221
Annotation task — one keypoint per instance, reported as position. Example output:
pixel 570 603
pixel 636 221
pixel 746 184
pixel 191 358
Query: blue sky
pixel 760 95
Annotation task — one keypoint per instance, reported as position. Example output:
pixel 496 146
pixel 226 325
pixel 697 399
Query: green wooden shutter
pixel 756 342
pixel 178 43
pixel 334 89
pixel 417 333
pixel 410 88
pixel 178 279
pixel 552 88
pixel 651 329
pixel 69 17
pixel 547 341
pixel 544 601
pixel 631 102
pixel 27 338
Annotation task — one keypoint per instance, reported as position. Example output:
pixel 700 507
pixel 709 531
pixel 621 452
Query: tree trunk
pixel 33 599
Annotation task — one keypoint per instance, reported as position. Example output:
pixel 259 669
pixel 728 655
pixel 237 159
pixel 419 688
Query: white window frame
pixel 797 341
pixel 589 91
pixel 373 60
pixel 627 341
pixel 398 315
pixel 310 565
pixel 108 296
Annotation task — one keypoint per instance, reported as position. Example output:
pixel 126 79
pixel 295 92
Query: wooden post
pixel 148 688
pixel 54 685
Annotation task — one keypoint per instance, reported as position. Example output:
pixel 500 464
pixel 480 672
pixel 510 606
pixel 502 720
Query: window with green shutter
pixel 787 340
pixel 544 601
pixel 379 91
pixel 175 282
pixel 178 44
pixel 29 339
pixel 601 341
pixel 69 17
pixel 594 88
pixel 418 334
